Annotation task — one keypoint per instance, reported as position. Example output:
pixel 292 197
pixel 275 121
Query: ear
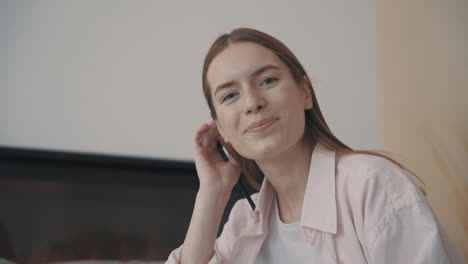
pixel 308 103
pixel 221 131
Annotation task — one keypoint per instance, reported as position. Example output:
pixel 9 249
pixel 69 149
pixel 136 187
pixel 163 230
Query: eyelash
pixel 269 78
pixel 227 96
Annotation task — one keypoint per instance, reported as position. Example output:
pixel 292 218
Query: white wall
pixel 124 77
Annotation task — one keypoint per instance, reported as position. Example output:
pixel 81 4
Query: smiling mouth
pixel 262 127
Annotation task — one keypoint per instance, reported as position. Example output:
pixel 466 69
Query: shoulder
pixel 365 165
pixel 375 181
pixel 374 189
pixel 380 172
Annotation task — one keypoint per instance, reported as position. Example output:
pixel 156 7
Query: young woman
pixel 319 200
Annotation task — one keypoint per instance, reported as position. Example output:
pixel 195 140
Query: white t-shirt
pixel 285 243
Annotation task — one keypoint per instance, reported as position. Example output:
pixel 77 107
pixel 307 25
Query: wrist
pixel 216 194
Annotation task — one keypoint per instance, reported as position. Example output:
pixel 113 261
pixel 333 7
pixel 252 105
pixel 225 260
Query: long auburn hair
pixel 316 128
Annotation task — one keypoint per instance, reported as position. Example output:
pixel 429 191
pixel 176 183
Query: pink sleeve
pixel 413 235
pixel 174 257
pixel 224 243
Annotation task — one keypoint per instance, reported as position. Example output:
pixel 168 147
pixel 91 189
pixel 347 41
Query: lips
pixel 260 125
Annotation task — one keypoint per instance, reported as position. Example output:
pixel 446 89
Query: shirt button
pixel 255 216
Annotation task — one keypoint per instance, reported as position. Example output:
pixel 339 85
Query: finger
pixel 213 135
pixel 199 134
pixel 210 136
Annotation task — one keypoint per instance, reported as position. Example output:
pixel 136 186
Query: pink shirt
pixel 357 209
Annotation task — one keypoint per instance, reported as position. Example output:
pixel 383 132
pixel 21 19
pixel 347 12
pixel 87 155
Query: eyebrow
pixel 255 73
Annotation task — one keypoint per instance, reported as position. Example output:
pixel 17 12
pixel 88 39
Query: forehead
pixel 239 60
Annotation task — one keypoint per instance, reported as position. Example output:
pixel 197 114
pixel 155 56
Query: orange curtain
pixel 423 79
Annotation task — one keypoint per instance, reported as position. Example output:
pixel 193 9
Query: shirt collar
pixel 265 199
pixel 319 205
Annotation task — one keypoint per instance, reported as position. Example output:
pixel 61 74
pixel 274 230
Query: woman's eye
pixel 228 96
pixel 268 81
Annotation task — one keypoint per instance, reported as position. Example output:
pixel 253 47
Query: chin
pixel 260 151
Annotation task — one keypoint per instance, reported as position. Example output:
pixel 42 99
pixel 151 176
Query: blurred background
pixel 122 80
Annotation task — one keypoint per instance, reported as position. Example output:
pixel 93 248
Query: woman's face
pixel 259 106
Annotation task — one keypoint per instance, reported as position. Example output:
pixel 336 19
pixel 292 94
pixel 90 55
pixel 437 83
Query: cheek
pixel 294 115
pixel 229 122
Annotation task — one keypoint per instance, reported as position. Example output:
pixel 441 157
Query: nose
pixel 254 101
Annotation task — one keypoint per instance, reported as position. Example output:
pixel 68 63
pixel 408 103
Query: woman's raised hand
pixel 213 172
pixel 217 178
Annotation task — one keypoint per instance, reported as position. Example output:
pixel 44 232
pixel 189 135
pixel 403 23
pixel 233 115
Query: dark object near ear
pixel 226 159
pixel 221 151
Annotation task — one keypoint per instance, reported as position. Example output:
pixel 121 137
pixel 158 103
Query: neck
pixel 288 174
